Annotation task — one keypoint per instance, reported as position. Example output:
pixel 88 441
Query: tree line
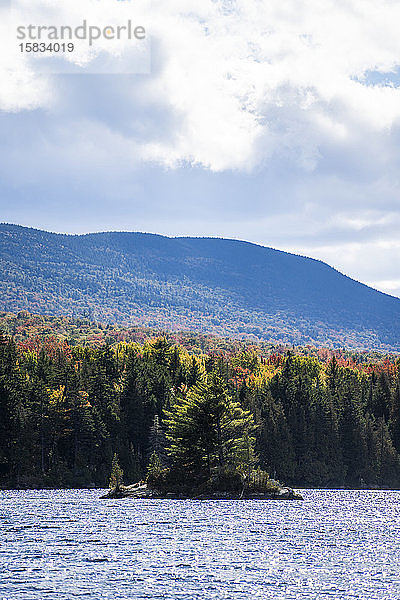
pixel 65 412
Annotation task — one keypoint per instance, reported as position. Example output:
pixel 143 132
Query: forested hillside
pixel 217 286
pixel 32 330
pixel 65 411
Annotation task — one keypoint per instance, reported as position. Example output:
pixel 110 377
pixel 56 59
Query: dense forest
pixel 225 287
pixel 30 329
pixel 65 411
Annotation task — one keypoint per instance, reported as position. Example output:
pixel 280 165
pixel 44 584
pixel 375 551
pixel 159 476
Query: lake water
pixel 69 544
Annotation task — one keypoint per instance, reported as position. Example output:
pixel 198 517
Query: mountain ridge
pixel 186 237
pixel 216 285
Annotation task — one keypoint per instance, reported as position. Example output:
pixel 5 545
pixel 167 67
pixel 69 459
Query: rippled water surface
pixel 67 544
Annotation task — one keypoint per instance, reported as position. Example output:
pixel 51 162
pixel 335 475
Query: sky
pixel 273 122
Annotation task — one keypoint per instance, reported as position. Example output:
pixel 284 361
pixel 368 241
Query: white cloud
pixel 247 79
pixel 276 78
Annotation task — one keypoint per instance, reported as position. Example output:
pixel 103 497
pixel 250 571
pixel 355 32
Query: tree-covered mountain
pixel 225 287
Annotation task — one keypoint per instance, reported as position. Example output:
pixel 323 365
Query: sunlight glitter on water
pixel 65 544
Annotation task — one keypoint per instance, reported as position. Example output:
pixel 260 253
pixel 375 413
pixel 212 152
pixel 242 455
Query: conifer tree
pixel 208 432
pixel 157 439
pixel 117 473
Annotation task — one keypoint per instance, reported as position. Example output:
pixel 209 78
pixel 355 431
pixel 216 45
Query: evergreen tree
pixel 208 432
pixel 157 440
pixel 117 473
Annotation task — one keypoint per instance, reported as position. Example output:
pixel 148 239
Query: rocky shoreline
pixel 141 490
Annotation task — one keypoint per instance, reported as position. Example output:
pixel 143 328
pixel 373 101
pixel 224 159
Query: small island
pixel 204 449
pixel 143 490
